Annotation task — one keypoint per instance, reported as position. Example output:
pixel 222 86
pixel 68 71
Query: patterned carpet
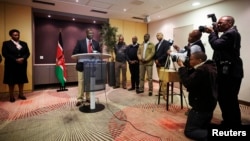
pixel 48 115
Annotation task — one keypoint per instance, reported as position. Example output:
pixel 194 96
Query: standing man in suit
pixel 160 52
pixel 230 68
pixel 87 45
pixel 160 56
pixel 145 55
pixel 133 63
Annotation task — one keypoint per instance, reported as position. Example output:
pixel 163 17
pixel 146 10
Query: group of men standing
pixel 206 80
pixel 140 58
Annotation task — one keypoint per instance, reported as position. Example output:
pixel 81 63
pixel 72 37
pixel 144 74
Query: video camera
pixel 214 21
pixel 170 41
pixel 176 58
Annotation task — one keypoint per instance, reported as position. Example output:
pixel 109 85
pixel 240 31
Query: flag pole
pixel 60 69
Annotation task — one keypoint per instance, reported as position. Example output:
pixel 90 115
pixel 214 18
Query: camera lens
pixel 202 28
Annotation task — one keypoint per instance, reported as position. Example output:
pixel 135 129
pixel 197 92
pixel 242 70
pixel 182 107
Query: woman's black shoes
pixel 12 99
pixel 22 97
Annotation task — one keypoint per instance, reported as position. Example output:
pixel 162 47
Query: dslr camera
pixel 214 21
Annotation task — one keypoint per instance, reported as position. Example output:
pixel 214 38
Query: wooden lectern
pixel 91 60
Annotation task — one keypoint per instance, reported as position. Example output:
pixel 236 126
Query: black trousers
pixel 134 72
pixel 228 90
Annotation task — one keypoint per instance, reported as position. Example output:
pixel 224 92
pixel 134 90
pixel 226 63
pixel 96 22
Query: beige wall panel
pixel 129 29
pixel 2 38
pixel 118 24
pixel 140 30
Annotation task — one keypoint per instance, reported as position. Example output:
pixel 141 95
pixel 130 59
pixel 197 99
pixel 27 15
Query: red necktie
pixel 90 47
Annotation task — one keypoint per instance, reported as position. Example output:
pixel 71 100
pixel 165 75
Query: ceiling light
pixel 124 9
pixel 73 19
pixel 94 21
pixel 196 3
pixel 49 16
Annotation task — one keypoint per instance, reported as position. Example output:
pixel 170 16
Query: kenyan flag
pixel 60 62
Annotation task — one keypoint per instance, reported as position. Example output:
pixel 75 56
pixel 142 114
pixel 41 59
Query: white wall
pixel 239 9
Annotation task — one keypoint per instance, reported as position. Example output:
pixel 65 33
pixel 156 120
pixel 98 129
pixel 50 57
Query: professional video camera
pixel 214 20
pixel 170 41
pixel 182 58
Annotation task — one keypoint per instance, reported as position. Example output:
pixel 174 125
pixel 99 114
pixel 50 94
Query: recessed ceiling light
pixel 94 21
pixel 196 3
pixel 73 19
pixel 49 16
pixel 124 9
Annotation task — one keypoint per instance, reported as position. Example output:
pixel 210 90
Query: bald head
pixel 89 33
pixel 134 39
pixel 195 35
pixel 159 36
pixel 225 23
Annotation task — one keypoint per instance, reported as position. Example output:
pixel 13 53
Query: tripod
pixel 161 83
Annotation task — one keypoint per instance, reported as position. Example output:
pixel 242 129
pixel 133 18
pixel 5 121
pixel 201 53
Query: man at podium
pixel 87 45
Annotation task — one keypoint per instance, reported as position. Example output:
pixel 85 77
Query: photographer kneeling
pixel 200 80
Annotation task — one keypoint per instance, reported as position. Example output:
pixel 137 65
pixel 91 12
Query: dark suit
pixel 82 47
pixel 202 88
pixel 15 73
pixel 161 52
pixel 230 73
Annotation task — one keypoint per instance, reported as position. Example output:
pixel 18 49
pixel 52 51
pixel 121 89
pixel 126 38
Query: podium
pixel 94 71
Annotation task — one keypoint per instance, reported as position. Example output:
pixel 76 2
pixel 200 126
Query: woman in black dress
pixel 16 53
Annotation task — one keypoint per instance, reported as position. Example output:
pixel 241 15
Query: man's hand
pixel 209 29
pixel 177 48
pixel 180 62
pixel 143 60
pixel 169 51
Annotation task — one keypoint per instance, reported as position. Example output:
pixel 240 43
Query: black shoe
pixel 78 103
pixel 115 87
pixel 131 89
pixel 150 94
pixel 139 91
pixel 12 99
pixel 22 97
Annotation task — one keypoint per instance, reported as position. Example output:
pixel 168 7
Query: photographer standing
pixel 194 45
pixel 230 68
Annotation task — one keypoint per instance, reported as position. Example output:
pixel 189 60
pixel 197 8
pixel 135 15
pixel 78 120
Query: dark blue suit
pixel 81 47
pixel 161 53
pixel 230 73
